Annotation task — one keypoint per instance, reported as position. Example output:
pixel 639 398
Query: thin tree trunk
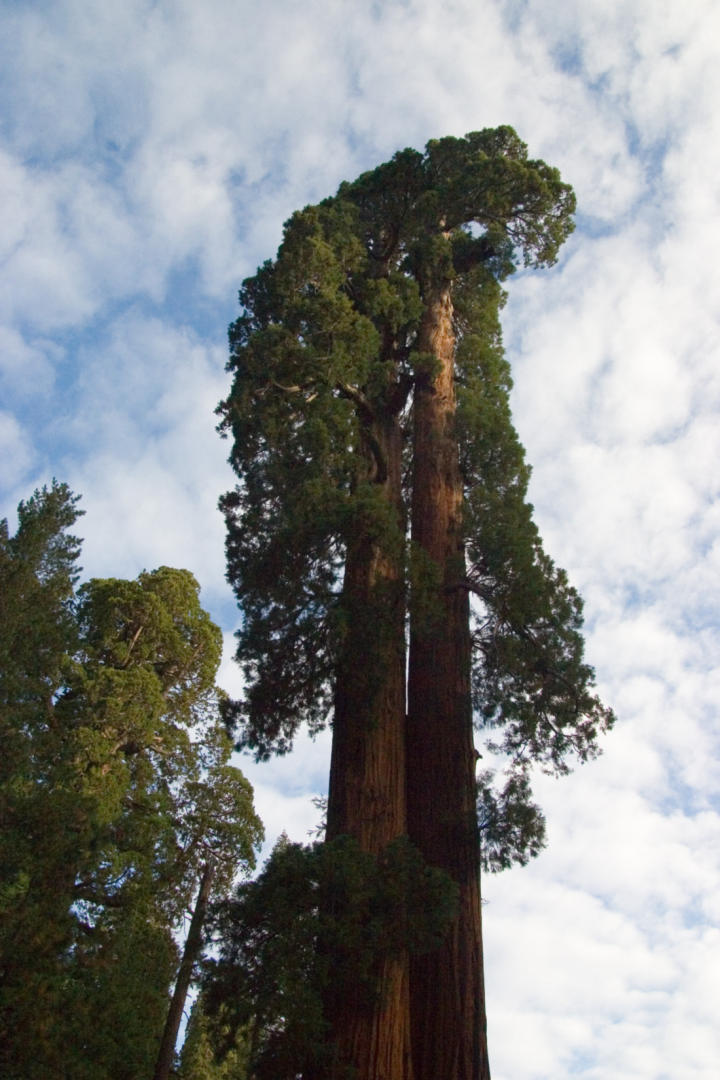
pixel 366 798
pixel 166 1052
pixel 446 987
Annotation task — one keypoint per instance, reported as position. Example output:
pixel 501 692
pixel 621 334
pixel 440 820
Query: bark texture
pixel 447 995
pixel 366 798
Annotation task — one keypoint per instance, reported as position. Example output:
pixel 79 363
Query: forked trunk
pixel 446 986
pixel 366 798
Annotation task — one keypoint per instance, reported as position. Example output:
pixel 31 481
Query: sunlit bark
pixel 447 997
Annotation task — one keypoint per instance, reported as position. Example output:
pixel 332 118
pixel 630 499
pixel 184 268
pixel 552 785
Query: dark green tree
pixel 381 482
pixel 38 572
pixel 315 928
pixel 210 1051
pixel 116 795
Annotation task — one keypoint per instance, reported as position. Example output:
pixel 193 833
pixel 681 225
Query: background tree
pixel 38 571
pixel 370 388
pixel 199 1058
pixel 117 793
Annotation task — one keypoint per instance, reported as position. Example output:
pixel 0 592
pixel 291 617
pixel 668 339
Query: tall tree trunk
pixel 366 798
pixel 166 1052
pixel 447 993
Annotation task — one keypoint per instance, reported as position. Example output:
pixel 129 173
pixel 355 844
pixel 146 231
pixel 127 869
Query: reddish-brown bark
pixel 446 986
pixel 366 796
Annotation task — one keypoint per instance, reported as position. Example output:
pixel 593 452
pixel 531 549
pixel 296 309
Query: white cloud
pixel 26 370
pixel 16 453
pixel 286 786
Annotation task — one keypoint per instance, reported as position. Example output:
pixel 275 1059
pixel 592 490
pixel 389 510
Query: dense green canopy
pixel 326 343
pixel 114 792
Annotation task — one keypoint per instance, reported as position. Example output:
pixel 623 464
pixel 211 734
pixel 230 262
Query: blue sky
pixel 149 154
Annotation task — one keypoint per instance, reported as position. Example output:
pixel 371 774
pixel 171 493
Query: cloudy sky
pixel 149 154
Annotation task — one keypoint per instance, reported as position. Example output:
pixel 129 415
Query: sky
pixel 149 155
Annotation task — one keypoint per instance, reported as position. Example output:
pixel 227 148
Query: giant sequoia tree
pixel 382 489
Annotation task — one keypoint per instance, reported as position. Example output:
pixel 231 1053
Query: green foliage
pixel 512 826
pixel 424 580
pixel 114 997
pixel 466 202
pixel 313 928
pixel 139 708
pixel 115 791
pixel 324 353
pixel 37 631
pixel 198 1059
pixel 302 356
pixel 324 348
pixel 530 679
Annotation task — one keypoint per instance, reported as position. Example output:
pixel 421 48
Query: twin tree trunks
pixel 394 775
pixel 370 385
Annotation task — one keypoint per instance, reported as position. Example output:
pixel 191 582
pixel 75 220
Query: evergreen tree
pixel 199 1058
pixel 370 392
pixel 115 793
pixel 318 922
pixel 38 572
